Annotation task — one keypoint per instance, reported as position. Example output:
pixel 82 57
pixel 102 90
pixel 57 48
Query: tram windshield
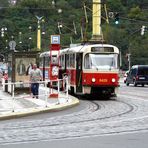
pixel 100 61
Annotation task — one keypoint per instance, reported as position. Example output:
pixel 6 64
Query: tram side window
pixel 72 60
pixel 47 61
pixel 68 61
pixel 62 61
pixel 87 62
pixel 41 62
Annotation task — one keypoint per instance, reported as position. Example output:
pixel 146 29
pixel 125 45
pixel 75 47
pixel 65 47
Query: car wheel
pixel 142 85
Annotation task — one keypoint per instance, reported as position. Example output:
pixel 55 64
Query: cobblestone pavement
pixel 128 113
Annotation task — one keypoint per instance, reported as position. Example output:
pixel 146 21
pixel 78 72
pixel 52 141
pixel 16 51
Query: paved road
pixel 108 124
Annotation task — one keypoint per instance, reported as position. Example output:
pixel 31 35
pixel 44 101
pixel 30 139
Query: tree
pixel 4 3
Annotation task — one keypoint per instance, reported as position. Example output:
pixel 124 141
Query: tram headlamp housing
pixel 93 80
pixel 113 80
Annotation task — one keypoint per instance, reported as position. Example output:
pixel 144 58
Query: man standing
pixel 35 77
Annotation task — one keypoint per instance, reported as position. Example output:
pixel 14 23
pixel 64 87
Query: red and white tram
pixel 44 64
pixel 45 60
pixel 91 69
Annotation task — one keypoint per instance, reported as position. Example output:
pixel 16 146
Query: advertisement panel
pixel 23 68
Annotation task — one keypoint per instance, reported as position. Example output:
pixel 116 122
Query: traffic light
pixel 142 30
pixel 116 18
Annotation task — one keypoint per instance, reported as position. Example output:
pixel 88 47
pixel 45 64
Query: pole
pixel 96 21
pixel 13 101
pixel 39 32
pixel 120 59
pixel 39 36
pixel 129 61
pixel 67 88
pixel 96 17
pixel 46 91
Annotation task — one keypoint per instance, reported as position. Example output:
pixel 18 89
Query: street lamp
pixel 143 30
pixel 39 32
pixel 59 10
pixel 12 37
pixel 6 44
pixel 3 30
pixel 43 27
pixel 20 37
pixel 59 27
pixel 30 38
pixel 53 3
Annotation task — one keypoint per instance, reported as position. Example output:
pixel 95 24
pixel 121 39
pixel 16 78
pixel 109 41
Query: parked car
pixel 138 75
pixel 125 76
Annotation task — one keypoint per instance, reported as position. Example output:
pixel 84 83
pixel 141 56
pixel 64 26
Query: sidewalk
pixel 24 104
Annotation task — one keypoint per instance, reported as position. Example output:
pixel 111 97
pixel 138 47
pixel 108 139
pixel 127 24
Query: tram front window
pixel 100 61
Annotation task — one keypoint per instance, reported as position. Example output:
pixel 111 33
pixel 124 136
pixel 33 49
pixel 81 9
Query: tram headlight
pixel 93 80
pixel 113 80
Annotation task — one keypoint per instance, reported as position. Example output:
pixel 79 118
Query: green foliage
pixel 4 3
pixel 126 35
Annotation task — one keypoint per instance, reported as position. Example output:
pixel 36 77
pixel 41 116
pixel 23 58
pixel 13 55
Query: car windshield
pixel 100 61
pixel 143 71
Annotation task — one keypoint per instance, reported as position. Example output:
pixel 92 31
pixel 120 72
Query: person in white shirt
pixel 35 77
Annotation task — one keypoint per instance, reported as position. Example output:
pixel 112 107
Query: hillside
pixel 67 18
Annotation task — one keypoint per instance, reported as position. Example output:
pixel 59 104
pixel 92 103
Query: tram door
pixel 79 57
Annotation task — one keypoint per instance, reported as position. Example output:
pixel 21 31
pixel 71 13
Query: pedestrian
pixel 35 77
pixel 29 68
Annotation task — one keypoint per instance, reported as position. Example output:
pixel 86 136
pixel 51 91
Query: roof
pixel 83 48
pixel 47 53
pixel 79 48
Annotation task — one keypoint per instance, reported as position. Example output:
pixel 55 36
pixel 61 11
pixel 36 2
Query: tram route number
pixel 103 80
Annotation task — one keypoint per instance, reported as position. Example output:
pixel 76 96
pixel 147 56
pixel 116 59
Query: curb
pixel 34 111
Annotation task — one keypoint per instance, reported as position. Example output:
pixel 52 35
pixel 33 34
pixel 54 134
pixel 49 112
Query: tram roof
pixel 47 53
pixel 80 48
pixel 83 48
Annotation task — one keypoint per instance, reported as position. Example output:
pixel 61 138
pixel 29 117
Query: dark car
pixel 138 75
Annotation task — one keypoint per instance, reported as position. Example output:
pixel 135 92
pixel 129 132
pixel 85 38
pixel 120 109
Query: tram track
pixel 90 109
pixel 82 122
pixel 130 108
pixel 128 113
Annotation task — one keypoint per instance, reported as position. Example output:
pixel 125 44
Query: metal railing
pixel 46 90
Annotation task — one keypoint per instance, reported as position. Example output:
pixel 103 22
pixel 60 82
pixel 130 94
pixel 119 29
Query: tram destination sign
pixel 102 49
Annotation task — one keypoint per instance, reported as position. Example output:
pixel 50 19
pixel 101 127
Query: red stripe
pixel 101 79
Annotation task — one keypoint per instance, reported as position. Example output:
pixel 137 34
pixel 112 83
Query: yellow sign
pixel 103 80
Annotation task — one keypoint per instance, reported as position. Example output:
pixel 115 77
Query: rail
pixel 47 90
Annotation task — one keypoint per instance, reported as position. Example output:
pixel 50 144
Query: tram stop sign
pixel 55 39
pixel 12 45
pixel 54 64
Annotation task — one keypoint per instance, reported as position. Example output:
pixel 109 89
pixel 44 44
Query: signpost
pixel 54 62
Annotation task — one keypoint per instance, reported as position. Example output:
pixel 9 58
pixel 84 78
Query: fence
pixel 46 91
